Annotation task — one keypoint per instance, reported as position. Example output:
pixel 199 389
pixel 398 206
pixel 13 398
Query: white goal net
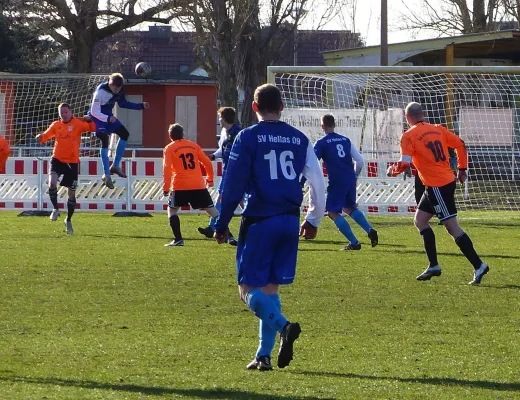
pixel 480 104
pixel 29 104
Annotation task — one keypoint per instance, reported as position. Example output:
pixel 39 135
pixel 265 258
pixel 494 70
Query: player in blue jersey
pixel 265 163
pixel 103 101
pixel 339 154
pixel 230 129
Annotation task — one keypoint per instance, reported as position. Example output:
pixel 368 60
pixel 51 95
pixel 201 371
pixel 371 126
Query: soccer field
pixel 110 313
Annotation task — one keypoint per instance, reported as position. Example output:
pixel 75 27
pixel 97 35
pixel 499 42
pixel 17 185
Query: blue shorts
pixel 339 196
pixel 108 127
pixel 267 250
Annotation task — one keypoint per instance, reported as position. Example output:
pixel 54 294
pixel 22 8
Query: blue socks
pixel 345 229
pixel 264 308
pixel 120 150
pixel 267 335
pixel 105 161
pixel 361 220
pixel 213 221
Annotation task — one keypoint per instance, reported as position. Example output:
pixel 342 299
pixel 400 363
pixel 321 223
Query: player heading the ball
pixel 104 99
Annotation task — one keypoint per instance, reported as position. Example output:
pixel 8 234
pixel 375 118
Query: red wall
pixel 162 113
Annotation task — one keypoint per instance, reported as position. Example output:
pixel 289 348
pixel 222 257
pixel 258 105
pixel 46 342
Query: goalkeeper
pixel 104 99
pixel 426 145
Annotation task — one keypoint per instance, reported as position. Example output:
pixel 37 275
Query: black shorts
pixel 68 170
pixel 198 198
pixel 439 201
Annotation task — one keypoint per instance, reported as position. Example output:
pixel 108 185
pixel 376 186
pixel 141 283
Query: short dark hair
pixel 328 121
pixel 228 114
pixel 268 98
pixel 64 105
pixel 116 79
pixel 414 109
pixel 176 131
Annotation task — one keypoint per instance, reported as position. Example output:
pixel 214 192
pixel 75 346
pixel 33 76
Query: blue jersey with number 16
pixel 266 162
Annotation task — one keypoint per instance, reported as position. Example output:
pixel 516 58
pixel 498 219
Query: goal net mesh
pixel 482 108
pixel 29 104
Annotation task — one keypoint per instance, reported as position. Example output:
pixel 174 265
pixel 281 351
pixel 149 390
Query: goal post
pixel 29 103
pixel 480 104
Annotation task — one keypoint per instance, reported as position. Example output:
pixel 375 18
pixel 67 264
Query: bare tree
pixel 77 25
pixel 512 9
pixel 238 39
pixel 448 17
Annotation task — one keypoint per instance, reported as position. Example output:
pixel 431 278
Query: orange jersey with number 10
pixel 426 146
pixel 181 166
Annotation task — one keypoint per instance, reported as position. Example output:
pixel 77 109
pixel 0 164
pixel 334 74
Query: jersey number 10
pixel 286 164
pixel 437 150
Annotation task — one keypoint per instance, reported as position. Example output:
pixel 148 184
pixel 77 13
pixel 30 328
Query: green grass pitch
pixel 110 313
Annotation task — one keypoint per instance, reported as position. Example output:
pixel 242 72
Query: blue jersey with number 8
pixel 335 151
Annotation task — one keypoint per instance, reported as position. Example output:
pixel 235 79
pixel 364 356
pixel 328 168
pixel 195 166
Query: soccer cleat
pixel 374 239
pixel 68 227
pixel 429 273
pixel 54 214
pixel 175 243
pixel 290 333
pixel 261 363
pixel 479 273
pixel 350 246
pixel 115 169
pixel 231 240
pixel 107 181
pixel 207 231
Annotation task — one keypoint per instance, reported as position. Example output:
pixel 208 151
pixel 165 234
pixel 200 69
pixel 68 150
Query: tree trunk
pixel 226 76
pixel 479 16
pixel 250 62
pixel 80 54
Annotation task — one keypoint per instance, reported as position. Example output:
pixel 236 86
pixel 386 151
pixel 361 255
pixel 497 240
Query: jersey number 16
pixel 286 164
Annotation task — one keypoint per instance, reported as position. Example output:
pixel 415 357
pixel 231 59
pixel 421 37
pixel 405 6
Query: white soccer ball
pixel 143 70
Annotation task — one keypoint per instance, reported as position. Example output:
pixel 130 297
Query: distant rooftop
pixel 172 55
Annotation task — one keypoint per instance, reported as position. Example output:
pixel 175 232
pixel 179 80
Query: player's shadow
pixel 515 287
pixel 162 237
pixel 477 384
pixel 458 254
pixel 217 393
pixel 343 242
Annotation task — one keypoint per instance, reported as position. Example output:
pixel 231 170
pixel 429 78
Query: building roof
pixel 499 44
pixel 172 55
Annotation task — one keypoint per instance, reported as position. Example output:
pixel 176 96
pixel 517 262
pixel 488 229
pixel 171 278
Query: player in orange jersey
pixel 65 158
pixel 183 180
pixel 426 145
pixel 4 154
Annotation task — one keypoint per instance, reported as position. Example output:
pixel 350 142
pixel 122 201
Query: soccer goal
pixel 29 103
pixel 480 104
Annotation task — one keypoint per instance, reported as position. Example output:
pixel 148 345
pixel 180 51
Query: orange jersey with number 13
pixel 181 166
pixel 427 145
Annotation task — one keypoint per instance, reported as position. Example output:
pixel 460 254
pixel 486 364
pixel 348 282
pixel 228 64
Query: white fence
pixel 24 187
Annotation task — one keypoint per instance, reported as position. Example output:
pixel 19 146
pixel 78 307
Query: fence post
pixel 129 191
pixel 40 183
